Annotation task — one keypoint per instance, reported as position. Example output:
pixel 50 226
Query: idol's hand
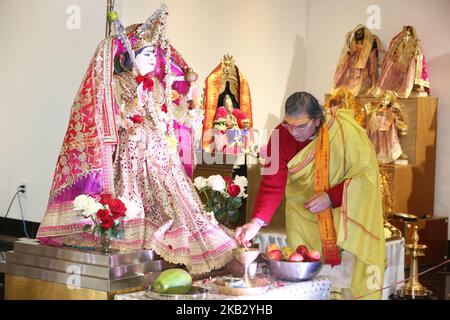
pixel 318 202
pixel 247 232
pixel 128 125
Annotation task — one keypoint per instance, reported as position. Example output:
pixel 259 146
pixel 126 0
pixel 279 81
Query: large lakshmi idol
pixel 122 140
pixel 357 69
pixel 404 69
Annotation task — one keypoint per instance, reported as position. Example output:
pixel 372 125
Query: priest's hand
pixel 318 202
pixel 247 232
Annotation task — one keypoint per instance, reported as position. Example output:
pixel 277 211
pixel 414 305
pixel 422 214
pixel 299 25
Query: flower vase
pixel 104 243
pixel 227 222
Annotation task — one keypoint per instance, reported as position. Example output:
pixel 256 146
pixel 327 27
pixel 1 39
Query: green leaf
pixel 220 214
pixel 86 227
pixel 233 215
pixel 235 203
pixel 94 230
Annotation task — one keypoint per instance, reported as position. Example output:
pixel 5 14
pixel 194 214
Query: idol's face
pixel 146 60
pixel 386 100
pixel 228 103
pixel 302 127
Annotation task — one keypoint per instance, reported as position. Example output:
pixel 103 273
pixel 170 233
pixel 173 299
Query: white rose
pixel 132 208
pixel 216 183
pixel 87 205
pixel 200 183
pixel 242 182
pixel 80 202
pixel 92 208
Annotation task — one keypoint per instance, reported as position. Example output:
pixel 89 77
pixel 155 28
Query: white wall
pixel 280 45
pixel 42 65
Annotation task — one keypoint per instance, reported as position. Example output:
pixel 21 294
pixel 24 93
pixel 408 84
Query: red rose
pixel 228 180
pixel 148 82
pixel 102 215
pixel 137 119
pixel 164 108
pixel 117 208
pixel 239 114
pixel 221 113
pixel 234 190
pixel 241 124
pixel 108 223
pixel 105 198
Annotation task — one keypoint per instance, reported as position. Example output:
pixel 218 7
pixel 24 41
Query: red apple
pixel 275 255
pixel 296 257
pixel 303 250
pixel 272 247
pixel 314 255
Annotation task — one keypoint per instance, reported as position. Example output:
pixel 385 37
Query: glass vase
pixel 104 242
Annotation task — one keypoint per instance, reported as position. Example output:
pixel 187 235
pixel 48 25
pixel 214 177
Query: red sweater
pixel 272 188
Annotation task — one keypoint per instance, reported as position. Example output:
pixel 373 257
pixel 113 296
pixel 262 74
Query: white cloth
pixel 316 289
pixel 341 275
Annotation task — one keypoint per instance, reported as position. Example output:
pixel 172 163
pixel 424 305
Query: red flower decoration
pixel 228 180
pixel 148 82
pixel 234 190
pixel 102 215
pixel 221 113
pixel 137 119
pixel 108 223
pixel 117 208
pixel 105 198
pixel 239 114
pixel 164 108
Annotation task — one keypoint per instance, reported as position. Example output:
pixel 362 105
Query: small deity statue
pixel 404 69
pixel 357 69
pixel 228 110
pixel 385 122
pixel 344 99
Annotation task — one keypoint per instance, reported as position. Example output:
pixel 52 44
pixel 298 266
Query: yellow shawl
pixel 358 223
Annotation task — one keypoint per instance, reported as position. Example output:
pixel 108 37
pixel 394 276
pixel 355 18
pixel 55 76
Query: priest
pixel 328 172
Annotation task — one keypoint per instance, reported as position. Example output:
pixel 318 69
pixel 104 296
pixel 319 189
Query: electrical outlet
pixel 23 188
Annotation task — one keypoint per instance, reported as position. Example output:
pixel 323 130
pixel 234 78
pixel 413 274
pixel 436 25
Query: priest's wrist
pixel 258 222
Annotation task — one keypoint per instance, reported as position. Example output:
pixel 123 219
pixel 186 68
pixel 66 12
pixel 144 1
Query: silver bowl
pixel 293 271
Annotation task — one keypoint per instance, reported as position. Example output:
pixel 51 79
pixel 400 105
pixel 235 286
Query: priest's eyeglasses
pixel 301 128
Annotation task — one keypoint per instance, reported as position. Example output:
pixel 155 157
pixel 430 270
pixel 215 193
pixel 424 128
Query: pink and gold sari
pixel 99 156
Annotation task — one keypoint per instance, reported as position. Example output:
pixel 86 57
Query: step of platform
pixel 86 268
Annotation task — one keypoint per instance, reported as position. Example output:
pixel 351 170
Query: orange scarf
pixel 330 250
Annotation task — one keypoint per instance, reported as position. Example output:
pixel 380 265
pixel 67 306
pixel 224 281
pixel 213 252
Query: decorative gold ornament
pixel 230 74
pixel 190 76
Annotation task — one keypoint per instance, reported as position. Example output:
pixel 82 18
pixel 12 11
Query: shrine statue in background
pixel 228 110
pixel 404 69
pixel 357 69
pixel 344 99
pixel 385 122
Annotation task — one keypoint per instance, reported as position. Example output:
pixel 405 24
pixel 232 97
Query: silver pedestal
pixel 87 269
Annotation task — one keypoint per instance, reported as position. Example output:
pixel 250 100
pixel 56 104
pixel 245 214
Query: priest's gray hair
pixel 303 102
